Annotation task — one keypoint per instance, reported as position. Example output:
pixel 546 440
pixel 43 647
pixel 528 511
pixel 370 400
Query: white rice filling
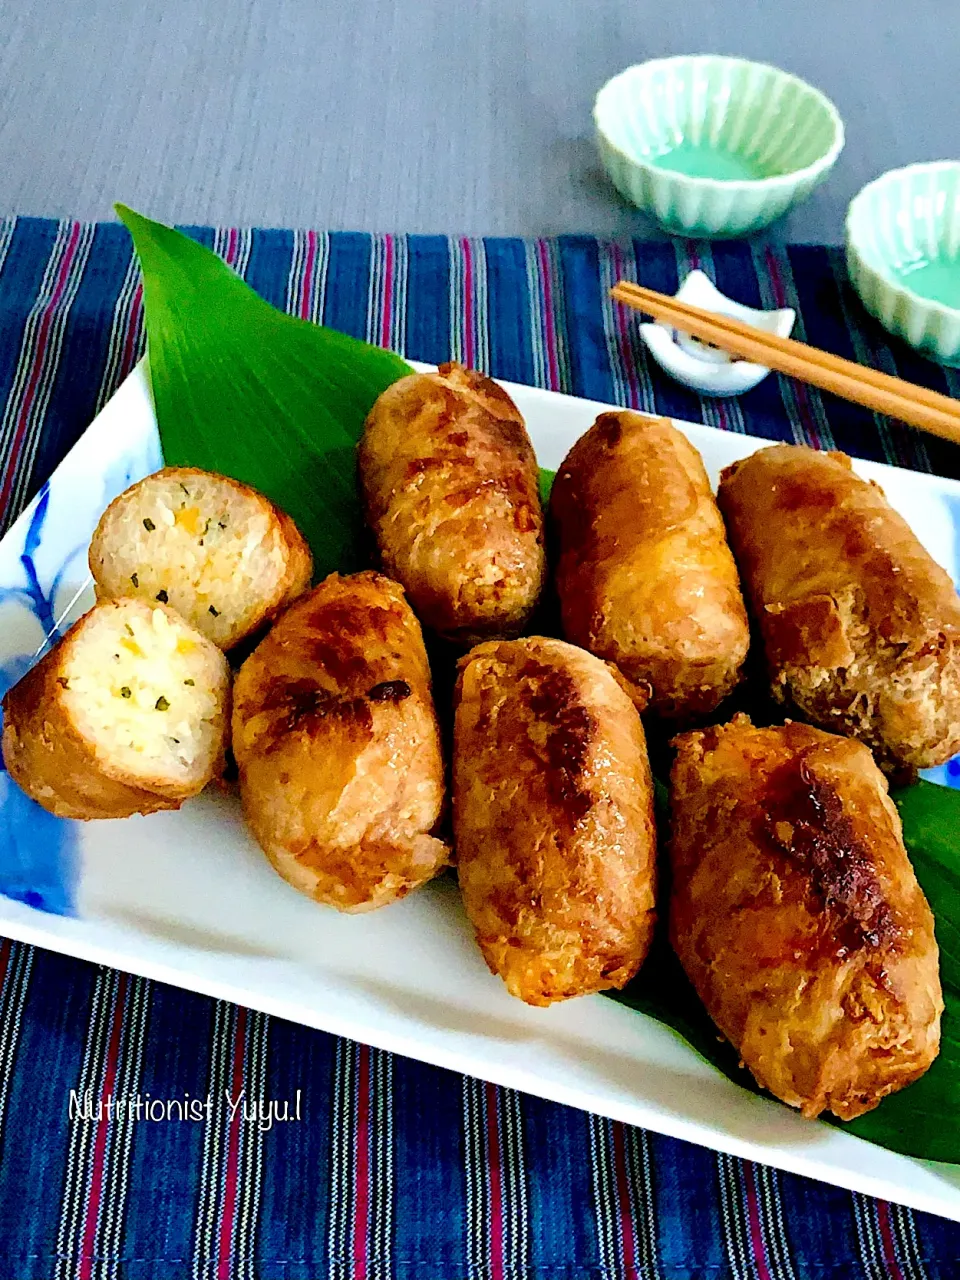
pixel 209 551
pixel 146 691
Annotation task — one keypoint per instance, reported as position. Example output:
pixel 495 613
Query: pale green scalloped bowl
pixel 713 146
pixel 903 255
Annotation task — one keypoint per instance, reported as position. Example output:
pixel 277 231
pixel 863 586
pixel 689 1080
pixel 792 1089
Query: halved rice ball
pixel 214 549
pixel 127 714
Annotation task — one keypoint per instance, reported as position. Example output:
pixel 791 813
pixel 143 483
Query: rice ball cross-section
pixel 218 551
pixel 127 714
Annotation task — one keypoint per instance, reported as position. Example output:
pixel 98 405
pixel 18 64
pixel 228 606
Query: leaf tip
pixel 136 223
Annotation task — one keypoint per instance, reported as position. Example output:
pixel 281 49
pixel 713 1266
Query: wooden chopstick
pixel 917 406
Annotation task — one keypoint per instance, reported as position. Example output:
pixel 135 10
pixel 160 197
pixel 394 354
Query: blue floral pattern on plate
pixel 38 852
pixel 44 587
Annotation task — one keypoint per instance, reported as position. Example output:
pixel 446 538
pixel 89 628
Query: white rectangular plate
pixel 188 898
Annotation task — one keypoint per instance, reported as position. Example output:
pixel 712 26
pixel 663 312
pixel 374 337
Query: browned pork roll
pixel 797 915
pixel 451 493
pixel 336 739
pixel 860 626
pixel 645 576
pixel 553 818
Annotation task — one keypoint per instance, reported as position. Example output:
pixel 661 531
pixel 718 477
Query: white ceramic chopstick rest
pixel 698 365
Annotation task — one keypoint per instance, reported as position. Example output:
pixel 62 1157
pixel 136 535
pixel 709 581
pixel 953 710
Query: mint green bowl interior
pixel 903 254
pixel 715 145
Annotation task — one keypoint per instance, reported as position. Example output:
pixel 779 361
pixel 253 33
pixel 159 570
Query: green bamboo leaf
pixel 546 479
pixel 243 389
pixel 922 1120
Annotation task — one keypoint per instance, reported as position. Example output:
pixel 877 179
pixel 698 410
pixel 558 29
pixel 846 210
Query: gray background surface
pixel 421 115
